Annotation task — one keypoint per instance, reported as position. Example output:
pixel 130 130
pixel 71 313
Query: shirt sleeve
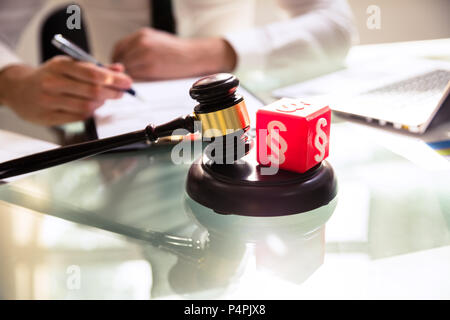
pixel 7 56
pixel 316 36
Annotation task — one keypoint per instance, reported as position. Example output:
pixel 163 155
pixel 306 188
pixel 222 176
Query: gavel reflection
pixel 221 112
pixel 222 247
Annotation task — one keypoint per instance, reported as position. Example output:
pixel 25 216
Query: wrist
pixel 214 55
pixel 9 79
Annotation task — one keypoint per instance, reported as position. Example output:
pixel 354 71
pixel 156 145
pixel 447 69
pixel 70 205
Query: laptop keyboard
pixel 422 90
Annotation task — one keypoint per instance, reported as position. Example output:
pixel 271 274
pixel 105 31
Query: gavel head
pixel 223 116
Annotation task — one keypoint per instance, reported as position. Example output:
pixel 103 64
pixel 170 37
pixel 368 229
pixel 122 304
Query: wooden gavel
pixel 220 110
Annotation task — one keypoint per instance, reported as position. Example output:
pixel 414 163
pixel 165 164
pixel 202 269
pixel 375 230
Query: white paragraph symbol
pixel 277 144
pixel 322 122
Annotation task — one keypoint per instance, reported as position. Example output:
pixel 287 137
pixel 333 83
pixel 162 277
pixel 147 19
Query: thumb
pixel 118 67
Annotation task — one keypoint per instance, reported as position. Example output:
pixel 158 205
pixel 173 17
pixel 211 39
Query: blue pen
pixel 77 53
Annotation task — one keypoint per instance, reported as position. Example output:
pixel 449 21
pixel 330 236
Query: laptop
pixel 405 94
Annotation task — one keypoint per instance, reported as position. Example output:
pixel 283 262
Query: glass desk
pixel 120 226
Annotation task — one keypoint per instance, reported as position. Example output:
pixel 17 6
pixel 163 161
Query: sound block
pixel 242 189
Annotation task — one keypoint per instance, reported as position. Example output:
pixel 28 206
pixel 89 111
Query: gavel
pixel 220 110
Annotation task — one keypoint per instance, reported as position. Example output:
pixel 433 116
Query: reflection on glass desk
pixel 386 235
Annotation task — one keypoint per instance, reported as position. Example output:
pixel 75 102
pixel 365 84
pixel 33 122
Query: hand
pixel 60 91
pixel 150 54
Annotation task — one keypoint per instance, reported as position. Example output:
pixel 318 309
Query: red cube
pixel 292 134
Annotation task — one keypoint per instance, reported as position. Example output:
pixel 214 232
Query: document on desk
pixel 164 101
pixel 16 145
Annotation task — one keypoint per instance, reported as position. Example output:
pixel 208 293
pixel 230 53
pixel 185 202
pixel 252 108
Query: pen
pixel 77 53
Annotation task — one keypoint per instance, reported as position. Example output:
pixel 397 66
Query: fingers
pixel 135 57
pixel 120 46
pixel 61 85
pixel 141 73
pixel 123 45
pixel 88 72
pixel 132 41
pixel 72 90
pixel 61 111
pixel 118 67
pixel 70 104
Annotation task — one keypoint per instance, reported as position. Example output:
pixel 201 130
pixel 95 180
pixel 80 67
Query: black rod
pixel 47 159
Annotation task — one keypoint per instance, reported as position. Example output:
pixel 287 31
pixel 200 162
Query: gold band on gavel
pixel 225 121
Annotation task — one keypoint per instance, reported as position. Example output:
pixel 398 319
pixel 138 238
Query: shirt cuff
pixel 251 47
pixel 7 57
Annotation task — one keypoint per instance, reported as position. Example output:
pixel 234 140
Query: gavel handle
pixel 66 154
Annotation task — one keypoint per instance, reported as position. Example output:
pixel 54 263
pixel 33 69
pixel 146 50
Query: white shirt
pixel 313 32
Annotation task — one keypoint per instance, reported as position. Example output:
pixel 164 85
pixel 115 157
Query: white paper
pixel 164 101
pixel 16 145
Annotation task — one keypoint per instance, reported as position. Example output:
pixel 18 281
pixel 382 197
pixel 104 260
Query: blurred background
pixel 401 20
